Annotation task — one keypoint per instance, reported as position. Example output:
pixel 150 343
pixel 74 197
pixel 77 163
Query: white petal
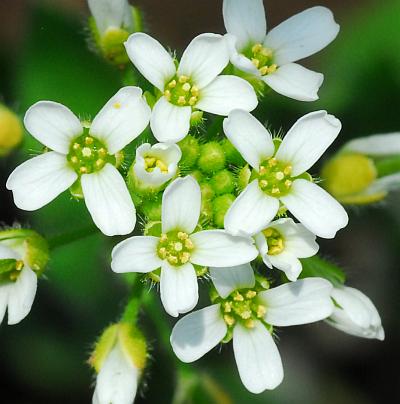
pixel 249 136
pixel 384 185
pixel 205 57
pixel 108 13
pixel 245 20
pixel 181 205
pixel 117 380
pixel 301 302
pixel 122 119
pixel 52 124
pixel 4 292
pixel 197 333
pixel 376 145
pixel 219 249
pixel 108 201
pixel 307 140
pixel 315 209
pixel 136 254
pixel 38 181
pixel 179 289
pixel 8 253
pixel 251 211
pixel 257 358
pixel 228 279
pixel 262 247
pixel 295 81
pixel 302 35
pixel 239 60
pixel 225 94
pixel 21 296
pixel 151 59
pixel 288 263
pixel 169 122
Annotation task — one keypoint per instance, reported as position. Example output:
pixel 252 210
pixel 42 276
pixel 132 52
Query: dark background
pixel 43 55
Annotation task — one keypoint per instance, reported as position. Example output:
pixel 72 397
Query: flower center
pixel 151 162
pixel 175 247
pixel 262 59
pixel 274 177
pixel 243 307
pixel 10 270
pixel 275 241
pixel 88 155
pixel 180 91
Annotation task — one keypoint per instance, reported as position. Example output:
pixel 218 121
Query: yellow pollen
pixel 99 163
pixel 149 162
pixel 256 62
pixel 246 315
pixel 275 191
pixel 163 238
pixel 181 100
pixel 102 152
pixel 172 259
pixel 167 94
pixel 182 235
pixel 256 48
pixel 172 84
pixel 238 297
pixel 185 256
pixel 189 244
pixel 162 166
pixel 89 140
pixel 183 79
pixel 86 152
pixel 287 170
pixel 163 252
pixel 83 170
pixel 74 160
pixel 249 323
pixel 186 87
pixel 279 176
pixel 262 170
pixel 272 162
pixel 268 232
pixel 117 105
pixel 19 265
pixel 273 68
pixel 261 310
pixel 250 294
pixel 229 320
pixel 76 146
pixel 192 101
pixel 178 246
pixel 195 91
pixel 288 183
pixel 227 307
pixel 263 183
pixel 266 52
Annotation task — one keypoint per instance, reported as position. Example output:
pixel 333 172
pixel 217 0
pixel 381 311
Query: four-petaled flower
pixel 270 57
pixel 180 246
pixel 248 313
pixel 87 154
pixel 195 84
pixel 280 175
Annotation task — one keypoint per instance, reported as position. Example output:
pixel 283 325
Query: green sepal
pixel 319 267
pixel 387 166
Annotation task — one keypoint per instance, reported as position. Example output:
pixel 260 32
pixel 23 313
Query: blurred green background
pixel 43 55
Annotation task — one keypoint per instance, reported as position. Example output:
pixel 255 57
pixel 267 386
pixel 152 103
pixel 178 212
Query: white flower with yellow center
pixel 155 165
pixel 17 288
pixel 194 85
pixel 280 176
pixel 249 314
pixel 85 154
pixel 179 247
pixel 270 57
pixel 355 314
pixel 282 243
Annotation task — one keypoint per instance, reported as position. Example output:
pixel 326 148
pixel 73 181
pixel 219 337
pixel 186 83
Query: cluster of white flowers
pixel 184 244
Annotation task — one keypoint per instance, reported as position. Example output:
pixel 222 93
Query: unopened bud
pixel 212 157
pixel 11 131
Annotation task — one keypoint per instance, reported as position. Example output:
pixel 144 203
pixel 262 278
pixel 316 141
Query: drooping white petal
pixel 108 201
pixel 307 140
pixel 117 380
pixel 21 296
pixel 295 81
pixel 228 279
pixel 151 59
pixel 205 57
pixel 357 314
pixel 302 35
pixel 197 333
pixel 384 185
pixel 375 145
pixel 317 210
pixel 169 122
pixel 109 13
pixel 181 205
pixel 288 263
pixel 136 254
pixel 251 211
pixel 245 20
pixel 38 181
pixel 238 59
pixel 178 287
pixel 217 248
pixel 53 124
pixel 257 358
pixel 249 136
pixel 225 94
pixel 4 292
pixel 301 302
pixel 122 119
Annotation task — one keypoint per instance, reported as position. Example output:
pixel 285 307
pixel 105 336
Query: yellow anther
pixel 275 190
pixel 83 170
pixel 100 163
pixel 268 232
pixel 256 48
pixel 19 265
pixel 238 297
pixel 163 252
pixel 288 183
pixel 181 100
pixel 182 235
pixel 117 105
pixel 192 101
pixel 229 320
pixel 89 140
pixel 288 170
pixel 279 176
pixel 86 152
pixel 189 244
pixel 262 170
pixel 249 323
pixel 264 70
pixel 185 256
pixel 76 146
pixel 272 68
pixel 261 310
pixel 227 307
pixel 74 160
pixel 274 250
pixel 163 238
pixel 266 52
pixel 255 62
pixel 186 87
pixel 194 91
pixel 183 79
pixel 172 84
pixel 263 183
pixel 162 166
pixel 272 162
pixel 178 246
pixel 102 152
pixel 167 95
pixel 14 276
pixel 172 259
pixel 149 162
pixel 245 315
pixel 250 294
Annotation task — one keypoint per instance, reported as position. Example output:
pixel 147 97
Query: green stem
pixel 67 238
pixel 135 302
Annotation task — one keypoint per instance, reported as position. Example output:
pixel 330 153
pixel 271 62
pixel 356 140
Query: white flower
pixel 17 293
pixel 282 243
pixel 279 176
pixel 111 14
pixel 155 165
pixel 355 314
pixel 179 247
pixel 195 84
pixel 248 314
pixel 270 56
pixel 85 154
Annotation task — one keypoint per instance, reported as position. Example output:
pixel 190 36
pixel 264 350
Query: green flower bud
pixel 197 175
pixel 223 182
pixel 232 155
pixel 243 177
pixel 190 151
pixel 212 158
pixel 11 131
pixel 207 192
pixel 196 118
pixel 221 204
pixel 152 209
